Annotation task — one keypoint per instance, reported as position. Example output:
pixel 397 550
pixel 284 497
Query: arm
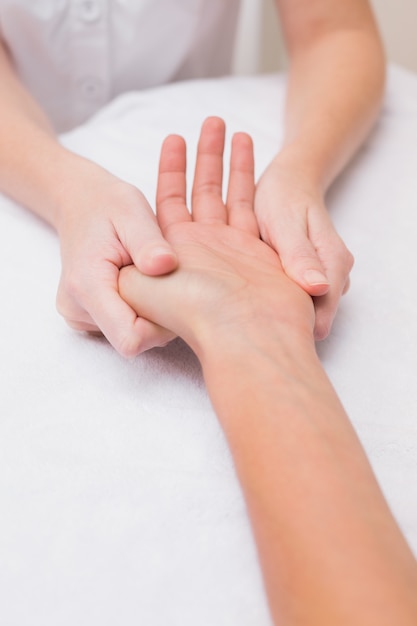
pixel 330 550
pixel 335 86
pixel 102 222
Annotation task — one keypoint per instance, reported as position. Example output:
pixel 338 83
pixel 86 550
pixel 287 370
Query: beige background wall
pixel 260 45
pixel 398 22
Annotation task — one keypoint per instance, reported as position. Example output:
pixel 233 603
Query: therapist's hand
pixel 293 219
pixel 103 225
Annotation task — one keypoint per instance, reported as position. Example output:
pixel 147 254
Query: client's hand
pixel 228 279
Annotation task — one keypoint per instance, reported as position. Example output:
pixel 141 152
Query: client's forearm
pixel 330 550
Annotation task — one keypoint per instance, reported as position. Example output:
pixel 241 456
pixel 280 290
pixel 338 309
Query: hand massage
pixel 187 458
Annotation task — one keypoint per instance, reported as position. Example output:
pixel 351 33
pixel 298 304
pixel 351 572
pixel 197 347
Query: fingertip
pixel 322 328
pixel 173 141
pixel 241 139
pixel 317 290
pixel 214 122
pixel 242 157
pixel 174 137
pixel 324 316
pixel 132 344
pixel 316 283
pixel 212 136
pixel 143 336
pixel 325 312
pixel 156 260
pixel 173 155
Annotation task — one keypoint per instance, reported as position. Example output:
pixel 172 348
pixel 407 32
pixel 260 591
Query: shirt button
pixel 89 10
pixel 91 88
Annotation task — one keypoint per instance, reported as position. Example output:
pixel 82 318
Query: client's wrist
pixel 266 371
pixel 270 341
pixel 274 318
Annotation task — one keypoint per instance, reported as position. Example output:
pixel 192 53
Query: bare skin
pixel 335 86
pixel 103 223
pixel 336 80
pixel 330 550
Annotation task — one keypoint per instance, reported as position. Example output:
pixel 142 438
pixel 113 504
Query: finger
pixel 107 311
pixel 75 316
pixel 346 287
pixel 129 334
pixel 325 309
pixel 326 306
pixel 207 203
pixel 81 326
pixel 299 258
pixel 171 204
pixel 141 236
pixel 241 190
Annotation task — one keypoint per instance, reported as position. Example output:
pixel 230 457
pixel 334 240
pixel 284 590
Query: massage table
pixel 119 500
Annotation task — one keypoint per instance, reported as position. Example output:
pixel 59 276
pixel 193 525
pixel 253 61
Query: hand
pixel 293 220
pixel 105 224
pixel 228 280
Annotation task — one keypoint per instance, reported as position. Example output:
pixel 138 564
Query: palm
pixel 226 271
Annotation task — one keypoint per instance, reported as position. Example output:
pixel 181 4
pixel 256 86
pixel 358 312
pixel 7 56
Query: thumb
pixel 143 240
pixel 155 257
pixel 301 261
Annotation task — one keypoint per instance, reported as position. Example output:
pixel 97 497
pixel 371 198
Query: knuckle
pixel 299 257
pixel 130 203
pixel 64 303
pixel 69 302
pixel 207 188
pixel 73 284
pixel 240 203
pixel 73 287
pixel 128 195
pixel 170 197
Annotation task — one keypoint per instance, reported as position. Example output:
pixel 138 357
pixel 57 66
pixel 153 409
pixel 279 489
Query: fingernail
pixel 314 277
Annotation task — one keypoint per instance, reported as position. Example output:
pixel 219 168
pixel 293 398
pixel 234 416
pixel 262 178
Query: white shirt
pixel 76 55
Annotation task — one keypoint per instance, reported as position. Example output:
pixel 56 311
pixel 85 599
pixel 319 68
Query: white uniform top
pixel 76 55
